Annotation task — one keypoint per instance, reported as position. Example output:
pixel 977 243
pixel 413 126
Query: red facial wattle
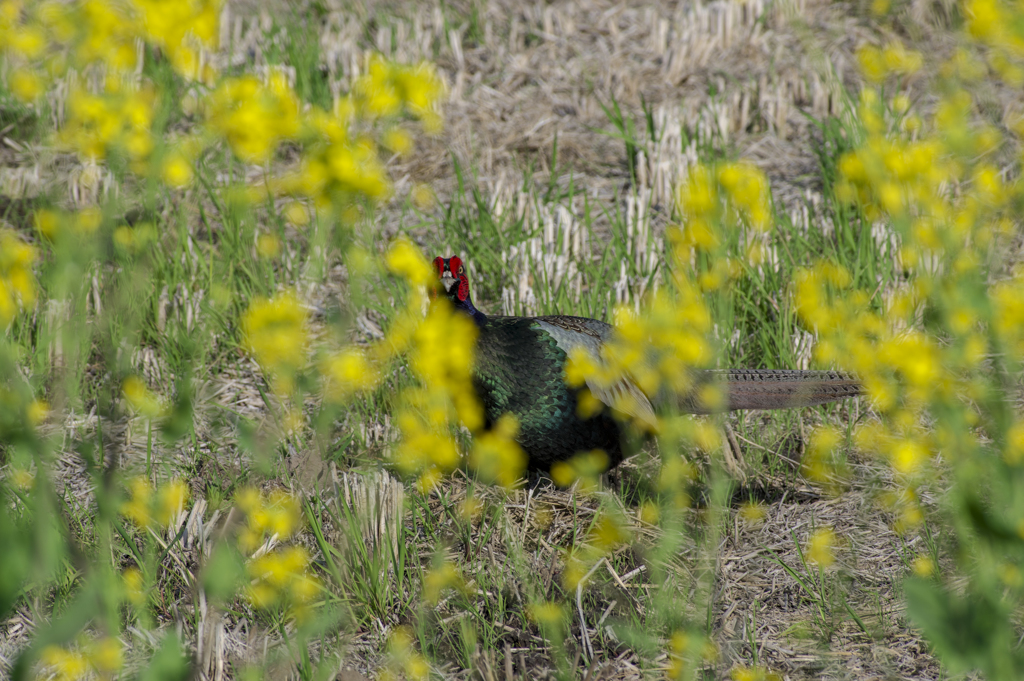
pixel 463 287
pixel 439 265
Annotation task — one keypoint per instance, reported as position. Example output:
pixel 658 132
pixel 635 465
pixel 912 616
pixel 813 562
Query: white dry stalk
pixel 547 262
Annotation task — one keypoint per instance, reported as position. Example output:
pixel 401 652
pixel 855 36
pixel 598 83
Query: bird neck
pixel 466 306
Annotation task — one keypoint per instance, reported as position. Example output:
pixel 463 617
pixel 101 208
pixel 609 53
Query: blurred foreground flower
pixel 821 547
pixel 282 578
pixel 17 282
pixel 154 508
pixel 141 398
pixel 276 515
pixel 346 373
pixel 275 331
pixel 254 118
pixel 405 661
pixel 103 658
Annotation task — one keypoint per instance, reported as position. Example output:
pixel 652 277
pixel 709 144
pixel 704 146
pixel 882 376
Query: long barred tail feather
pixel 770 389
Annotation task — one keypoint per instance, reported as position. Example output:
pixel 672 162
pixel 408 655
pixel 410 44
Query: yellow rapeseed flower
pixel 179 28
pixel 348 372
pixel 177 171
pixel 65 665
pixel 275 331
pixel 752 512
pixel 405 657
pixel 149 508
pixel 26 85
pixel 282 578
pixel 546 613
pixel 585 467
pixel 820 547
pixel 923 566
pixel 98 124
pixel 17 282
pixel 437 580
pixel 134 586
pixel 138 507
pixel 496 455
pixel 406 261
pixel 397 140
pixel 140 397
pixel 296 214
pixel 171 500
pixel 268 246
pixel 754 674
pixel 254 118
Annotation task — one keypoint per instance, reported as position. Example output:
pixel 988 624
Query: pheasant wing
pixel 573 332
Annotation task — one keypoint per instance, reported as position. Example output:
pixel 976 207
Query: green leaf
pixel 968 632
pixel 223 573
pixel 15 566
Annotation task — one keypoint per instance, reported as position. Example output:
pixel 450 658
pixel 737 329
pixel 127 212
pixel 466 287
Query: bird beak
pixel 447 280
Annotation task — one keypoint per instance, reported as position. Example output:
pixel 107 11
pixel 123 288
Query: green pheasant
pixel 520 368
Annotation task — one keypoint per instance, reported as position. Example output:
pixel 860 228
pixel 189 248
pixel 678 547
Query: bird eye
pixel 461 269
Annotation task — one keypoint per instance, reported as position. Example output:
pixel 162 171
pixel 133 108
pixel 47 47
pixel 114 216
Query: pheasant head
pixel 452 275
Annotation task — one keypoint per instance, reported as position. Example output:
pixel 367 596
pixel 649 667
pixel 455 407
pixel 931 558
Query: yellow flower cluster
pixel 906 179
pixel 17 282
pixel 495 455
pixel 821 547
pixel 902 370
pixel 254 118
pixel 103 658
pixel 686 649
pixel 755 674
pixel 996 24
pixel 134 585
pixel 55 226
pixel 348 372
pixel 41 41
pixel 120 119
pixel 276 332
pixel 406 662
pixel 116 115
pixel 656 349
pixel 608 533
pixel 548 614
pixel 182 30
pixel 338 162
pixel 336 166
pixel 918 351
pixel 445 576
pixel 585 467
pixel 440 348
pixel 141 398
pixel 275 515
pixel 281 577
pixel 153 508
pixel 894 59
pixel 710 199
pixel 1007 300
pixel 387 88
